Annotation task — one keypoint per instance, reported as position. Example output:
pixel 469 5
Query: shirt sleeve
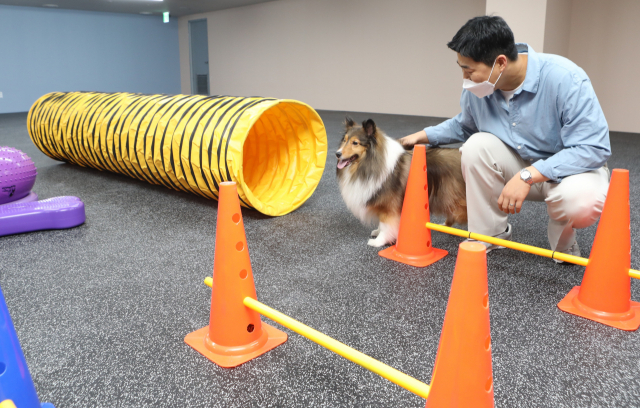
pixel 456 129
pixel 584 133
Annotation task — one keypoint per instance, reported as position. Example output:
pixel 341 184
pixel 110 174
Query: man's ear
pixel 502 60
pixel 348 123
pixel 369 127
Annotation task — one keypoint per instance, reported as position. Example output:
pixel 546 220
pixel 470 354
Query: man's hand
pixel 513 195
pixel 516 190
pixel 409 141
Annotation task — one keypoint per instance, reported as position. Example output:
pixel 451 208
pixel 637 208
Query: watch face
pixel 525 174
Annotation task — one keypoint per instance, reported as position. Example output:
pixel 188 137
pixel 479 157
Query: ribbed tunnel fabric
pixel 275 150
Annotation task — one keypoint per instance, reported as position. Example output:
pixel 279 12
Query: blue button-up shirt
pixel 553 121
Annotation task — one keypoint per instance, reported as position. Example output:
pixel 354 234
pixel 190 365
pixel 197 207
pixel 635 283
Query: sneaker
pixel 490 247
pixel 573 250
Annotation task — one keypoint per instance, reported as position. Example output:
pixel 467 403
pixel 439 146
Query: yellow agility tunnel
pixel 275 150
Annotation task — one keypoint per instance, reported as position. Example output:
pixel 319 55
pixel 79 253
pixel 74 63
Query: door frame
pixel 192 77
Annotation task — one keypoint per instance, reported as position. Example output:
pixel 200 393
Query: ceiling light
pixel 49 5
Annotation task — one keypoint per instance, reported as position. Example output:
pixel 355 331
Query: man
pixel 541 136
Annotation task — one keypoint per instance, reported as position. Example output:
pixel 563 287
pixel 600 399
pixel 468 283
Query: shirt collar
pixel 532 78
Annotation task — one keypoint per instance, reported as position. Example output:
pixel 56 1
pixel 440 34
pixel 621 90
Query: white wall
pixel 525 18
pixel 604 41
pixel 557 29
pixel 601 36
pixel 391 57
pixel 354 55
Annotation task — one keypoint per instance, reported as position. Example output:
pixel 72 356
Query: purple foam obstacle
pixel 17 175
pixel 29 198
pixel 52 213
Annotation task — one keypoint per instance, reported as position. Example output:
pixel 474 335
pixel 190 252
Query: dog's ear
pixel 348 123
pixel 369 127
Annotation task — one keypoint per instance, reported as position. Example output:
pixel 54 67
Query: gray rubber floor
pixel 101 310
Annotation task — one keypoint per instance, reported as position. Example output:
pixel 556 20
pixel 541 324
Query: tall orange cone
pixel 413 246
pixel 235 333
pixel 462 376
pixel 605 293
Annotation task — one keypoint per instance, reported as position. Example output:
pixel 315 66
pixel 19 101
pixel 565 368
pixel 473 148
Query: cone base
pixel 196 340
pixel 414 260
pixel 629 321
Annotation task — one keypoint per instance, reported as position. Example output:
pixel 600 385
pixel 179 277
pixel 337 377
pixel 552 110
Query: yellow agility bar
pixel 383 370
pixel 519 247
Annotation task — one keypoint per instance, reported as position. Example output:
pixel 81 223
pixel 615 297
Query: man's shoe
pixel 490 247
pixel 573 250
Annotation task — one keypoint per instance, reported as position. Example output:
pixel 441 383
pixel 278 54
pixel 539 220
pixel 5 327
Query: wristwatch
pixel 525 175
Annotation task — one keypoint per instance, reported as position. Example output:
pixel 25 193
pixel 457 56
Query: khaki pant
pixel 488 164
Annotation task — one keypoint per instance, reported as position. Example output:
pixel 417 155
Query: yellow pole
pixel 518 247
pixel 383 370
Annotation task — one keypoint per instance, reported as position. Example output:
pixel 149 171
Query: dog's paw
pixel 374 243
pixel 377 242
pixel 375 233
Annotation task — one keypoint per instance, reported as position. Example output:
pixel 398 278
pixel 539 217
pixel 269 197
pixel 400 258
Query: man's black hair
pixel 483 39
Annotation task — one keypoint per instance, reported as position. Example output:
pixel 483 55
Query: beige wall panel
pixel 604 41
pixel 355 55
pixel 525 17
pixel 557 30
pixel 391 57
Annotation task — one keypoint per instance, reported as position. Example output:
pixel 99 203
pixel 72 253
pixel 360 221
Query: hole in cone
pixel 489 384
pixel 250 328
pixel 487 343
pixel 243 274
pixel 236 218
pixel 426 206
pixel 239 246
pixel 428 244
pixel 424 168
pixel 485 301
pixel 425 187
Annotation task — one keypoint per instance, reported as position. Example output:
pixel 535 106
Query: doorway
pixel 199 50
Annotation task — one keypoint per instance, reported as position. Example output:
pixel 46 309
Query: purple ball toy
pixel 17 175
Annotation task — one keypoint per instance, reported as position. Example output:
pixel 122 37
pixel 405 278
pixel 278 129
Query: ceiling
pixel 176 8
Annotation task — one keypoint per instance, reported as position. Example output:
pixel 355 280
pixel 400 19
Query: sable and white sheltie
pixel 372 172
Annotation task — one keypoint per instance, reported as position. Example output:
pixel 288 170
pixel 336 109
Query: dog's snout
pixel 338 154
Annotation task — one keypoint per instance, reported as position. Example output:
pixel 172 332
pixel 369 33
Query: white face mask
pixel 483 88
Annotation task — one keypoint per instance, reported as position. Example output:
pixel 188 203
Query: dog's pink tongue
pixel 342 163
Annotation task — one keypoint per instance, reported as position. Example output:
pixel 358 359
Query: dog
pixel 372 172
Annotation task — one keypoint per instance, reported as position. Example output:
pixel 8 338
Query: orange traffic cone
pixel 462 376
pixel 605 293
pixel 414 239
pixel 235 333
